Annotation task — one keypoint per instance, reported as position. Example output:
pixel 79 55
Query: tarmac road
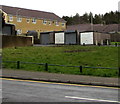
pixel 14 90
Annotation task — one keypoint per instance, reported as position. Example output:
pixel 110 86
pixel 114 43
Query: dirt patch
pixel 71 51
pixel 17 53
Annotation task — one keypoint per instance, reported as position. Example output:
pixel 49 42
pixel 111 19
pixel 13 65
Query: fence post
pixel 81 69
pixel 46 66
pixel 18 64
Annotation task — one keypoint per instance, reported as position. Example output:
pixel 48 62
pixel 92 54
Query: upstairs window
pixel 28 20
pixel 19 19
pixel 44 22
pixel 10 18
pixel 57 23
pixel 34 21
pixel 63 24
pixel 49 22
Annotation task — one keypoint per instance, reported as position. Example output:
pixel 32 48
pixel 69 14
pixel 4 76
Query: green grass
pixel 93 56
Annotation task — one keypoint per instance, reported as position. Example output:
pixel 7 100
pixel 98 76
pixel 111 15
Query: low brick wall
pixel 15 41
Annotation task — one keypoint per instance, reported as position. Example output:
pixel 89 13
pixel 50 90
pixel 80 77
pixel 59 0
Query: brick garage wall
pixel 15 41
pixel 100 36
pixel 115 37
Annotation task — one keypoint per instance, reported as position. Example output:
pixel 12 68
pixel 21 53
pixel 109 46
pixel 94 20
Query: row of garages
pixel 67 37
pixel 74 37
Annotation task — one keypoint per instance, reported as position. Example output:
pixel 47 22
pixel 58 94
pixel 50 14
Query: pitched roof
pixel 107 28
pixel 31 13
pixel 95 27
pixel 80 27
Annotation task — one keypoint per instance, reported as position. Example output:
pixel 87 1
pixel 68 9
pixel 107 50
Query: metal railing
pixel 46 65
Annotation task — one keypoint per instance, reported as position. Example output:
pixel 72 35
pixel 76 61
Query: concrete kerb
pixel 62 78
pixel 67 82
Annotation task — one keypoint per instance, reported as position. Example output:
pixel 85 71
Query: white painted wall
pixel 59 38
pixel 86 38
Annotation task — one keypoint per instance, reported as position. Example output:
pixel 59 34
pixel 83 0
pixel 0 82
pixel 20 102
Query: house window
pixel 57 23
pixel 19 31
pixel 34 21
pixel 49 22
pixel 19 19
pixel 63 24
pixel 28 20
pixel 10 18
pixel 44 22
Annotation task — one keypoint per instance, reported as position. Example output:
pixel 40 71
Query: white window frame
pixel 19 19
pixel 57 23
pixel 28 20
pixel 10 18
pixel 19 31
pixel 34 20
pixel 44 22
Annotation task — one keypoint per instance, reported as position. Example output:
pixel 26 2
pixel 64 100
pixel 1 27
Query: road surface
pixel 14 90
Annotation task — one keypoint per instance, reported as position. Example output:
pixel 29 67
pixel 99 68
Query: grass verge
pixel 94 56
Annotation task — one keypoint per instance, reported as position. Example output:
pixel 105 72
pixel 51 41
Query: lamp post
pixel 17 12
pixel 91 22
pixel 17 18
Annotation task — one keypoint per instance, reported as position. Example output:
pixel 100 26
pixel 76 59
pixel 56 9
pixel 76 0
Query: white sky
pixel 66 7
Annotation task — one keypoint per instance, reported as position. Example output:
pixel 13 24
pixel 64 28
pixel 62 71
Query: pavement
pixel 61 78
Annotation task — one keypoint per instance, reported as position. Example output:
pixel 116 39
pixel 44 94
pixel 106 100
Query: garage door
pixel 70 38
pixel 45 38
pixel 86 38
pixel 59 38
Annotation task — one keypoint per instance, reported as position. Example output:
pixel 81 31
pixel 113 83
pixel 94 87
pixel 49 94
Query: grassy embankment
pixel 93 56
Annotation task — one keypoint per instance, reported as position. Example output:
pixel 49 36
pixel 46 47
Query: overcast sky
pixel 66 7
